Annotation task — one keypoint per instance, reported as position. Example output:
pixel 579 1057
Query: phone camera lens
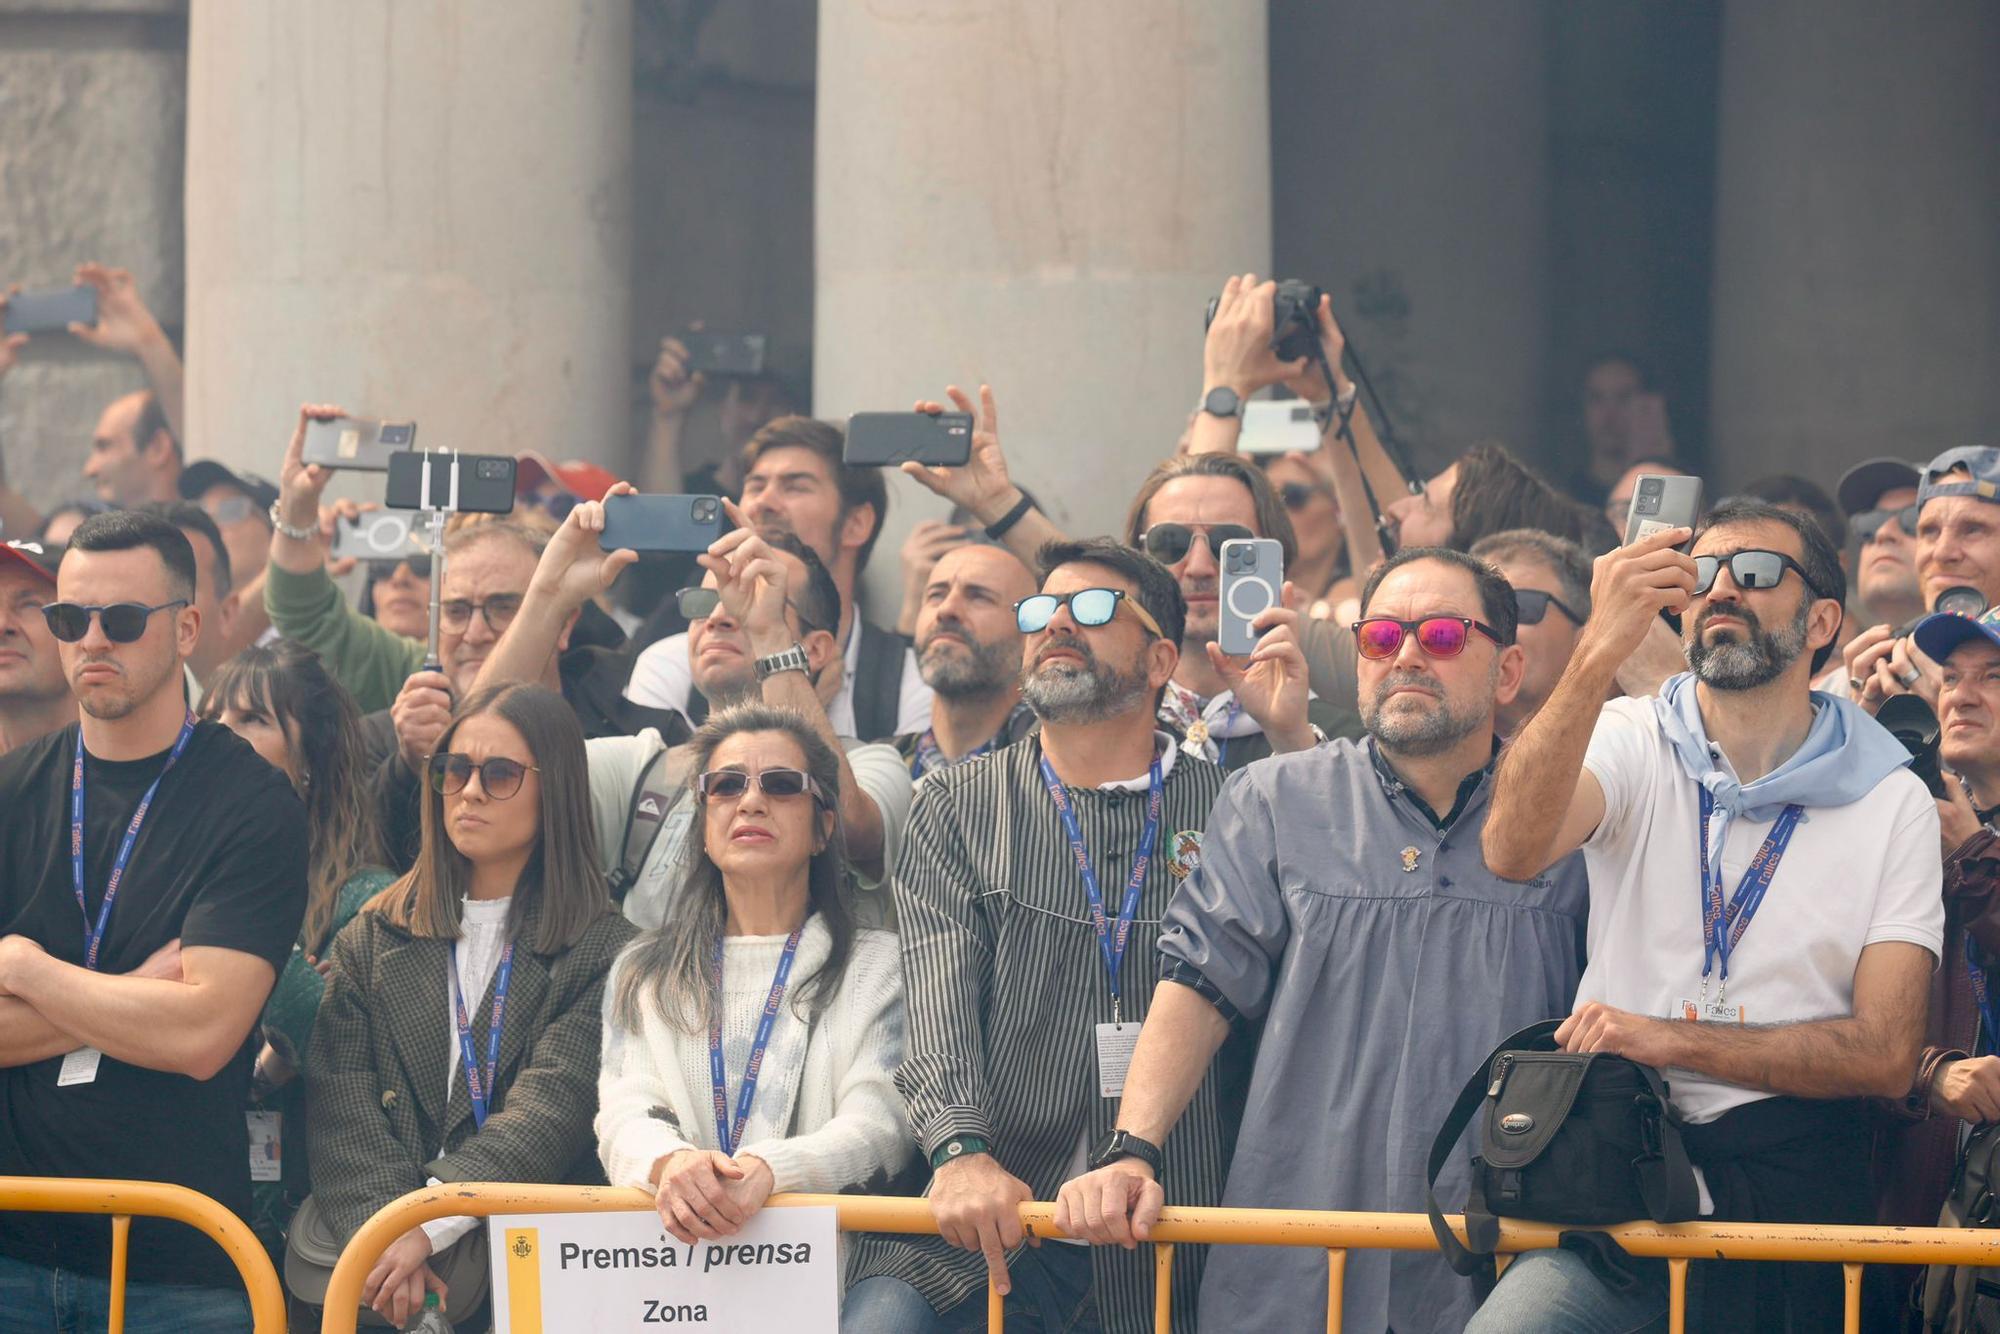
pixel 1652 486
pixel 704 510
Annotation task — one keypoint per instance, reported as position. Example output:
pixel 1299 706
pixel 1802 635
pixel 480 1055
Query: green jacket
pixel 370 661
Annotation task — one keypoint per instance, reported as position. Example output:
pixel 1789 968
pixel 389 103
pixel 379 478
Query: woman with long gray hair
pixel 749 1042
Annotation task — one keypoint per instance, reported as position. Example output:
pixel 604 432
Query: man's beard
pixel 1203 622
pixel 1431 732
pixel 981 670
pixel 109 703
pixel 1086 692
pixel 1754 658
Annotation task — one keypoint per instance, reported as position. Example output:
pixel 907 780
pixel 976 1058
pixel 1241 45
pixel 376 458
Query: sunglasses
pixel 698 604
pixel 123 622
pixel 1534 604
pixel 235 509
pixel 499 613
pixel 1087 606
pixel 729 784
pixel 1169 543
pixel 1298 495
pixel 1869 522
pixel 418 561
pixel 1380 637
pixel 1751 570
pixel 499 778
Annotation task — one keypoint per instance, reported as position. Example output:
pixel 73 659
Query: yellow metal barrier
pixel 1337 1233
pixel 125 1200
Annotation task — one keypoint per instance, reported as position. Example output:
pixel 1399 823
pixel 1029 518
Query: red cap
pixel 38 557
pixel 582 479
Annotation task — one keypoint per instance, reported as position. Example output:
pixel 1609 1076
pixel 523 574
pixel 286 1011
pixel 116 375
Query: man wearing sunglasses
pixel 1225 711
pixel 1342 906
pixel 1765 898
pixel 34 692
pixel 1029 899
pixel 152 883
pixel 1551 579
pixel 759 628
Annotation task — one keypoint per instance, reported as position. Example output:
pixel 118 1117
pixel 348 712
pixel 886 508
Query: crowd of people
pixel 691 875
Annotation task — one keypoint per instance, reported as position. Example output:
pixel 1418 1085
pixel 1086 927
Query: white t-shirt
pixel 1852 876
pixel 482 935
pixel 615 765
pixel 663 679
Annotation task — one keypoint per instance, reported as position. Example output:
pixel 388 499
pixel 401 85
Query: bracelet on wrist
pixel 998 528
pixel 308 533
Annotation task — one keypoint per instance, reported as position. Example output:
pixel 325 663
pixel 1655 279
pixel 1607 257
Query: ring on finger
pixel 1854 684
pixel 1909 677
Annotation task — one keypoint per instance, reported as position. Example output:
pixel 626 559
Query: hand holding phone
pixel 661 523
pixel 51 309
pixel 890 439
pixel 359 444
pixel 1253 577
pixel 1661 502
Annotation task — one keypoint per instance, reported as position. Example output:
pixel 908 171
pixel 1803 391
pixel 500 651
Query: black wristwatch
pixel 1124 1144
pixel 1222 401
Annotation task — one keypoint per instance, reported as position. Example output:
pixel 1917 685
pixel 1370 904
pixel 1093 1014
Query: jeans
pixel 1052 1295
pixel 34 1300
pixel 1554 1292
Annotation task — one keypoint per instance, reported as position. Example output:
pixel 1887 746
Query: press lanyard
pixel 1722 930
pixel 1975 973
pixel 1228 726
pixel 93 937
pixel 479 1081
pixel 1110 940
pixel 728 1136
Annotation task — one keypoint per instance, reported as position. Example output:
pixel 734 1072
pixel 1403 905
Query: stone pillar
pixel 1041 195
pixel 415 211
pixel 1857 235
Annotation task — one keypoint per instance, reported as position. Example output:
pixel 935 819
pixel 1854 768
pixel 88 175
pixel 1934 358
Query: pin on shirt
pixel 1410 858
pixel 1197 737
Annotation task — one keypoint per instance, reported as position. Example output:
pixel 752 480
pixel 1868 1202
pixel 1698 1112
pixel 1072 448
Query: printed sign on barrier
pixel 620 1272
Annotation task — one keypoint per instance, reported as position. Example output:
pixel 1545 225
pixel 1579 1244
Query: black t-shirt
pixel 220 861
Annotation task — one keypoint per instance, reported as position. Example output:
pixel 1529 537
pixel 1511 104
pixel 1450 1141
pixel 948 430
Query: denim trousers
pixel 34 1300
pixel 1051 1294
pixel 1555 1292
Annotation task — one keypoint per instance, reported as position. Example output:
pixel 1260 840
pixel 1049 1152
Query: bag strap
pixel 640 835
pixel 1481 1228
pixel 1666 1177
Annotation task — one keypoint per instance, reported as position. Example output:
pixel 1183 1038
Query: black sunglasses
pixel 1869 522
pixel 1751 570
pixel 1298 495
pixel 1169 543
pixel 698 604
pixel 418 561
pixel 1534 604
pixel 729 784
pixel 499 777
pixel 124 622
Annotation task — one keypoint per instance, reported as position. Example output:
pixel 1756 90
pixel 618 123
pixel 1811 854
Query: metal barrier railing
pixel 125 1200
pixel 1336 1233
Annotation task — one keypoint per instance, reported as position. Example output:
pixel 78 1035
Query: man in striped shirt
pixel 1030 895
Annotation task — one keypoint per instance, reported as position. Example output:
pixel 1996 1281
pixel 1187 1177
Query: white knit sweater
pixel 827 1116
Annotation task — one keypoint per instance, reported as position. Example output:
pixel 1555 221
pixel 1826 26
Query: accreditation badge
pixel 1708 1012
pixel 1115 1045
pixel 1184 853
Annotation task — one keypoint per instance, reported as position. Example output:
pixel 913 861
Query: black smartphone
pixel 357 443
pixel 661 523
pixel 724 353
pixel 1660 502
pixel 459 483
pixel 51 309
pixel 885 439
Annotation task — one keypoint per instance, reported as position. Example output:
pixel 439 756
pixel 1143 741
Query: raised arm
pixel 124 324
pixel 982 487
pixel 574 568
pixel 1545 803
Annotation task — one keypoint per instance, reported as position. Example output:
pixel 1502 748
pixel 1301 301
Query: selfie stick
pixel 433 662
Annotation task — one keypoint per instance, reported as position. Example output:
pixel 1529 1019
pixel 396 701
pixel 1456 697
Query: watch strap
pixel 792 659
pixel 1222 401
pixel 958 1146
pixel 1124 1144
pixel 998 528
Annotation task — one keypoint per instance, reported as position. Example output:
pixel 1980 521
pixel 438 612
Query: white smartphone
pixel 1253 580
pixel 1283 426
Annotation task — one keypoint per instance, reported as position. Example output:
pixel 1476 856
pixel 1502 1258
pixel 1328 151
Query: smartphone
pixel 662 523
pixel 484 483
pixel 724 353
pixel 51 309
pixel 376 535
pixel 358 443
pixel 1660 502
pixel 1283 426
pixel 1253 581
pixel 885 439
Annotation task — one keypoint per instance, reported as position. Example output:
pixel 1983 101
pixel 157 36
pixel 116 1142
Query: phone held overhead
pixel 886 439
pixel 359 444
pixel 1660 502
pixel 448 482
pixel 51 309
pixel 662 523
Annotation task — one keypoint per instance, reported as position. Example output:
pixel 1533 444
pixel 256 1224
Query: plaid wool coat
pixel 379 1124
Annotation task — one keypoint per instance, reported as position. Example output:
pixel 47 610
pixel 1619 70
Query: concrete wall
pixel 92 113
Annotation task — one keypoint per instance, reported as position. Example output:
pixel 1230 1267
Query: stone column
pixel 1041 195
pixel 412 210
pixel 1857 235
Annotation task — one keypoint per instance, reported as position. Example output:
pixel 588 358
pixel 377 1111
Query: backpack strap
pixel 1482 1229
pixel 878 683
pixel 643 822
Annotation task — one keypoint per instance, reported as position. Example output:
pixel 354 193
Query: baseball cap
pixel 1981 461
pixel 1942 631
pixel 1866 482
pixel 582 479
pixel 40 558
pixel 204 474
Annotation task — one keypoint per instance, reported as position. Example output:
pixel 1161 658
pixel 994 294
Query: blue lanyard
pixel 478 1081
pixel 728 1136
pixel 1975 973
pixel 1722 930
pixel 1110 941
pixel 1228 726
pixel 929 755
pixel 93 937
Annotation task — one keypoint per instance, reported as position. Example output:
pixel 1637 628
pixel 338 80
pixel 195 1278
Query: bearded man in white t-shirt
pixel 1773 1016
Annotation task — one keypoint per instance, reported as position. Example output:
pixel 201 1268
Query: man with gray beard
pixel 969 653
pixel 1342 905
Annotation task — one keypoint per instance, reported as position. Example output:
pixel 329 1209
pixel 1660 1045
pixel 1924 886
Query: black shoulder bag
pixel 1584 1139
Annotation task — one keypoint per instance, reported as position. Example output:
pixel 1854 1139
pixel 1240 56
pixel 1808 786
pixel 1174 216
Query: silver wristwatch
pixel 296 534
pixel 792 659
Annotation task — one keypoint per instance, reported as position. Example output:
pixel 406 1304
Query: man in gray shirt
pixel 1342 902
